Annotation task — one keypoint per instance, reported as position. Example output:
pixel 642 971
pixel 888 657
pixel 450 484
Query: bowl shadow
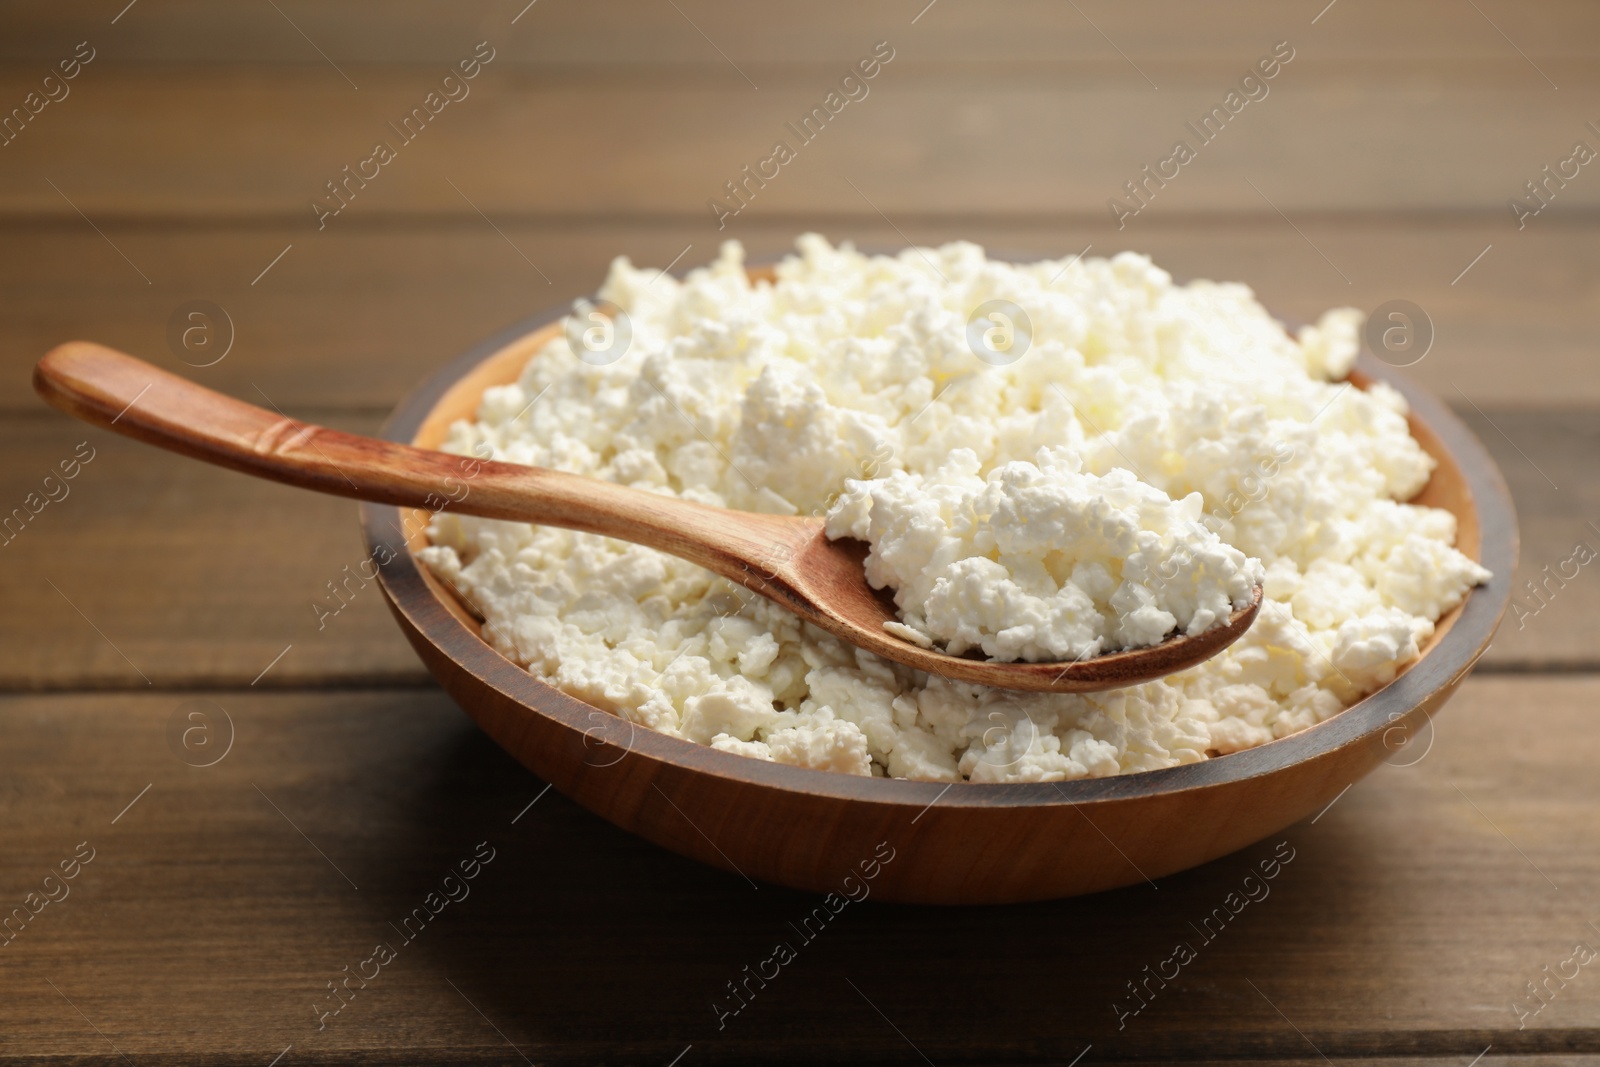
pixel 584 943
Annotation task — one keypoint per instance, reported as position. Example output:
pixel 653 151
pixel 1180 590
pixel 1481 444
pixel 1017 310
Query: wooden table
pixel 218 904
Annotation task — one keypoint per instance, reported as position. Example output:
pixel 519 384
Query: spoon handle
pixel 112 389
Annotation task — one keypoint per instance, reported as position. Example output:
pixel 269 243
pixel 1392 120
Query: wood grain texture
pixel 1400 935
pixel 620 32
pixel 325 326
pixel 1558 505
pixel 927 139
pixel 581 943
pixel 198 576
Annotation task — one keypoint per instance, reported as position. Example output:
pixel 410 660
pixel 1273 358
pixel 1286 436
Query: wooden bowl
pixel 930 842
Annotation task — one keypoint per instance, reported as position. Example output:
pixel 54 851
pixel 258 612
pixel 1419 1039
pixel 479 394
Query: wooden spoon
pixel 787 559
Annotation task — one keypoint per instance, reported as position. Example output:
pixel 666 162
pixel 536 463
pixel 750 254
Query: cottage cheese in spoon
pixel 1155 451
pixel 1040 560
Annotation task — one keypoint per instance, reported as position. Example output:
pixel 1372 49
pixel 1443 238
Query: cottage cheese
pixel 1214 450
pixel 1041 560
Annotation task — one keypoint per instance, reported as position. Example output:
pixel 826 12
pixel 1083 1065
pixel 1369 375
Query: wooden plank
pixel 356 316
pixel 191 576
pixel 615 31
pixel 1552 620
pixel 154 569
pixel 928 138
pixel 219 904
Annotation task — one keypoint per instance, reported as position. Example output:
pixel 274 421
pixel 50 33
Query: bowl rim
pixel 1437 670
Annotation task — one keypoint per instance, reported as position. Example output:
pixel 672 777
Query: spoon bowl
pixel 787 559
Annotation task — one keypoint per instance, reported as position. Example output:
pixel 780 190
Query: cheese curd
pixel 1155 451
pixel 1041 560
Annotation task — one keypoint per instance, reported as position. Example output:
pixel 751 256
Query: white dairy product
pixel 848 388
pixel 1041 560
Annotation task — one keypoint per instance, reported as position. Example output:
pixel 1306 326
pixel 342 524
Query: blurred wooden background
pixel 182 165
